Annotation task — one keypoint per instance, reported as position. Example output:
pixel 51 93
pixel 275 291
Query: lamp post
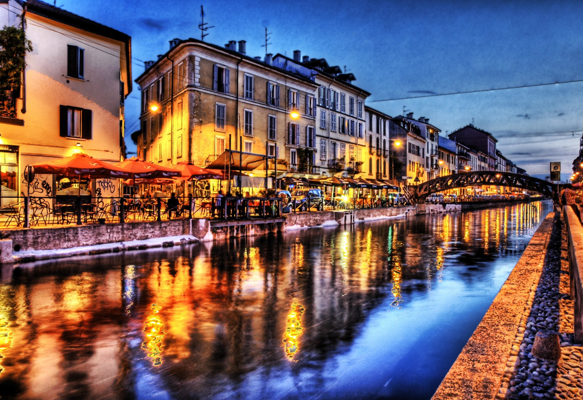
pixel 396 143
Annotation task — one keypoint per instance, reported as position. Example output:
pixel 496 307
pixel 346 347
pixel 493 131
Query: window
pixel 248 122
pixel 220 80
pixel 336 101
pixel 220 116
pixel 145 131
pixel 219 145
pixel 293 157
pixel 322 150
pixel 359 108
pixel 272 150
pixel 351 103
pixel 343 151
pixel 352 128
pixel 310 137
pixel 159 151
pixel 310 106
pixel 370 172
pixel 293 100
pixel 333 100
pixel 272 126
pixel 360 130
pixel 154 127
pixel 145 100
pixel 272 94
pixel 333 122
pixel 293 136
pixel 75 62
pixel 169 154
pixel 333 146
pixel 76 122
pixel 179 116
pixel 328 95
pixel 182 81
pixel 341 125
pixel 322 119
pixel 321 96
pixel 248 147
pixel 179 146
pixel 249 87
pixel 342 102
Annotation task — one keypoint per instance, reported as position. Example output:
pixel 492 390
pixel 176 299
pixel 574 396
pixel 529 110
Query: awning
pixel 239 161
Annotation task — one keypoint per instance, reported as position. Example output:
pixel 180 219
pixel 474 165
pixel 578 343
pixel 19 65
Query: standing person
pixel 218 203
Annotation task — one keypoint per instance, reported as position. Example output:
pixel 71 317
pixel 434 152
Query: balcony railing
pixel 337 164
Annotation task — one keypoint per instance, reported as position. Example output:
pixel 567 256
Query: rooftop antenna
pixel 267 37
pixel 346 69
pixel 472 121
pixel 203 25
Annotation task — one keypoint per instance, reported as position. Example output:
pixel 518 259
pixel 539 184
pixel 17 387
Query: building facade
pixel 480 140
pixel 210 99
pixel 340 114
pixel 72 96
pixel 447 156
pixel 408 151
pixel 378 138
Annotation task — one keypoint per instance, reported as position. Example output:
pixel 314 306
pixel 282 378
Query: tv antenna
pixel 267 37
pixel 203 25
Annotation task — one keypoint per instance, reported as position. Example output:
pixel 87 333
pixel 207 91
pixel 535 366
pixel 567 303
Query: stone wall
pixel 89 235
pixel 575 249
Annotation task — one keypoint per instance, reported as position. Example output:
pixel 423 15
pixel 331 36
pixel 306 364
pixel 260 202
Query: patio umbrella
pixel 191 171
pixel 138 169
pixel 81 164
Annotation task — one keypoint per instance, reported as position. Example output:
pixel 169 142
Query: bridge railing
pixel 575 251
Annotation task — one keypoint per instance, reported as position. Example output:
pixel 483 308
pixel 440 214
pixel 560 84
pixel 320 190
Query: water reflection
pixel 370 304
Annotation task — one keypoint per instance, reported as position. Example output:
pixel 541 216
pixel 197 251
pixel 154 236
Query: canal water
pixel 377 310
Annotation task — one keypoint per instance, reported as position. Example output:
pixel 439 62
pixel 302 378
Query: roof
pixel 413 119
pixel 46 10
pixel 477 129
pixel 374 110
pixel 447 144
pixel 229 52
pixel 322 61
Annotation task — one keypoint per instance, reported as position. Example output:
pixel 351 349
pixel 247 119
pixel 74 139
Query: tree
pixel 13 45
pixel 305 157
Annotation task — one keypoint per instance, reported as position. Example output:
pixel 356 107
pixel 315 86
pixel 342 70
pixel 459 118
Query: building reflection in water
pixel 293 330
pixel 211 317
pixel 154 335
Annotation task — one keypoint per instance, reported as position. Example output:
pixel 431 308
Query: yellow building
pixel 76 79
pixel 219 98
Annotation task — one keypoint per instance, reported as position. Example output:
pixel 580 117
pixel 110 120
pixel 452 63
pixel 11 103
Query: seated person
pixel 172 205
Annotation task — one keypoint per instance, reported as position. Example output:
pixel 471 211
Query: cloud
pixel 154 23
pixel 520 154
pixel 422 91
pixel 525 116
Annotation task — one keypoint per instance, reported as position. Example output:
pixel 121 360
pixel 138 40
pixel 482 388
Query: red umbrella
pixel 138 169
pixel 191 171
pixel 81 164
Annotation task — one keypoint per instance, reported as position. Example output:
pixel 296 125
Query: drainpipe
pixel 237 107
pixel 23 110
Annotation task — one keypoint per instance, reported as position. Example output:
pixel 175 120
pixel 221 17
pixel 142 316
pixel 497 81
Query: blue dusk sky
pixel 400 49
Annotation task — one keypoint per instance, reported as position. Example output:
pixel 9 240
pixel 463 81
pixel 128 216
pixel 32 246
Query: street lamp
pixel 396 143
pixel 294 114
pixel 440 162
pixel 467 168
pixel 154 107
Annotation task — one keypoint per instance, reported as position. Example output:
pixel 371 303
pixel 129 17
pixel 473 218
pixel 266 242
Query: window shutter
pixel 72 61
pixel 336 100
pixel 87 124
pixel 298 101
pixel 313 131
pixel 81 64
pixel 289 133
pixel 277 95
pixel 64 121
pixel 289 95
pixel 269 100
pixel 307 104
pixel 227 81
pixel 307 136
pixel 298 135
pixel 215 77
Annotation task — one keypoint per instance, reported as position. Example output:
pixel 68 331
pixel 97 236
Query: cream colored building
pixel 76 80
pixel 377 137
pixel 411 151
pixel 340 120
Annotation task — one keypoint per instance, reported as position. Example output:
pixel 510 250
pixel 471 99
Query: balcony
pixel 337 164
pixel 8 103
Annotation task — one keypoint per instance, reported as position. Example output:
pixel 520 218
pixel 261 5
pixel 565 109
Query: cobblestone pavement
pixel 528 377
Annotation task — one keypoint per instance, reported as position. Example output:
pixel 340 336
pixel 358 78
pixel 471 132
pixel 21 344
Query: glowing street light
pixel 497 175
pixel 467 168
pixel 294 114
pixel 440 162
pixel 397 143
pixel 154 107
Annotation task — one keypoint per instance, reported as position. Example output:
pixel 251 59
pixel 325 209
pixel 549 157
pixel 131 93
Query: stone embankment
pixel 503 358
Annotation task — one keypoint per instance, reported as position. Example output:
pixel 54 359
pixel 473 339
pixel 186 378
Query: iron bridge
pixel 479 178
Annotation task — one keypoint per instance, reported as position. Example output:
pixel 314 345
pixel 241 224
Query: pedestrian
pixel 172 205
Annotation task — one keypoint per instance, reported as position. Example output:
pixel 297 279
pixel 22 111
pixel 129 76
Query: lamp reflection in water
pixel 5 339
pixel 129 288
pixel 293 331
pixel 154 332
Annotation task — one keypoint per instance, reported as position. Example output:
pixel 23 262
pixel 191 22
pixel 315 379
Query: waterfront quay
pixel 365 310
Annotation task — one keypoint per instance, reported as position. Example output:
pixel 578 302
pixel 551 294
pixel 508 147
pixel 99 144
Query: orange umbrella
pixel 143 170
pixel 81 164
pixel 191 171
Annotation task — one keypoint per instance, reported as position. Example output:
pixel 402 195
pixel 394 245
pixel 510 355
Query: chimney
pixel 232 45
pixel 426 120
pixel 297 56
pixel 410 115
pixel 306 59
pixel 148 64
pixel 242 45
pixel 174 42
pixel 421 119
pixel 258 58
pixel 268 58
pixel 160 56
